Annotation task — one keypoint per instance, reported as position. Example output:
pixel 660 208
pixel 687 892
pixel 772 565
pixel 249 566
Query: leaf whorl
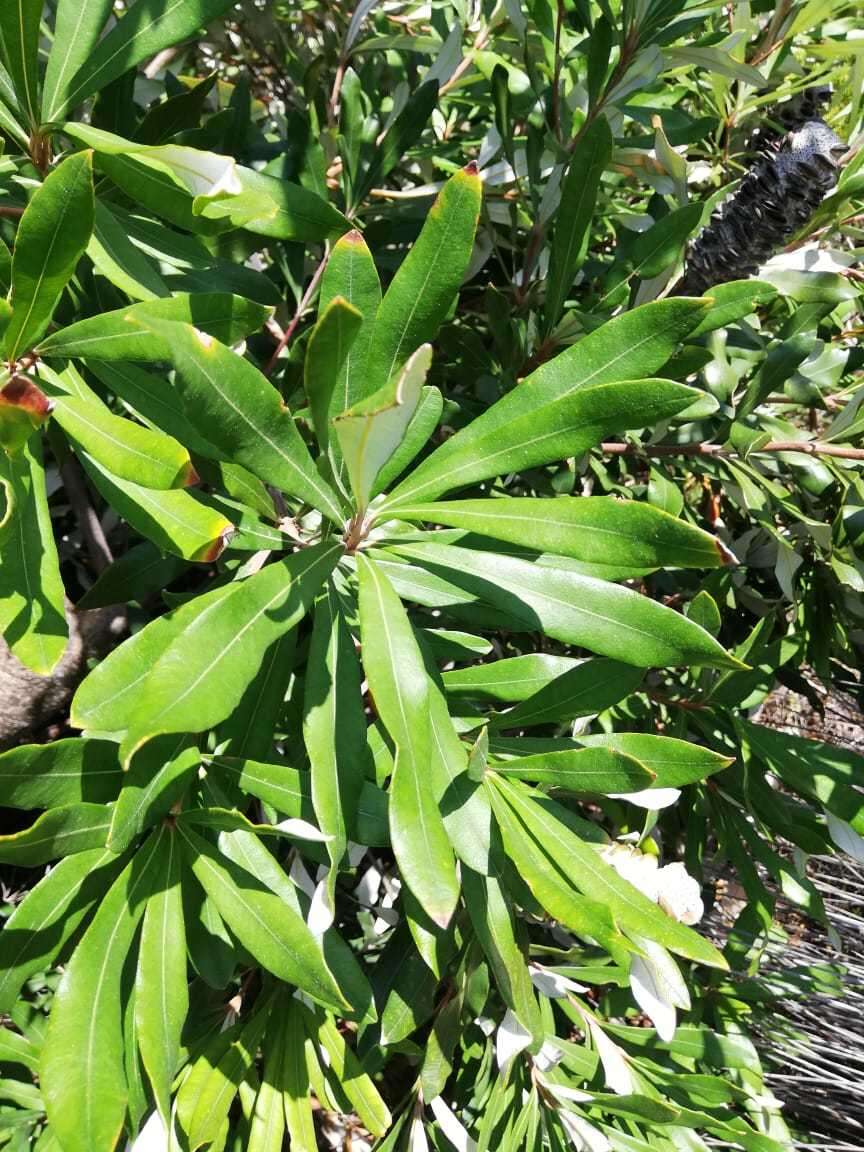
pixel 776 197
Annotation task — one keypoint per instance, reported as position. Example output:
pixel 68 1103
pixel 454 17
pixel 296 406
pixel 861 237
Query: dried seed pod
pixel 775 198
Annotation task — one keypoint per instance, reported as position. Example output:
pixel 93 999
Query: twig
pixel 91 529
pixel 11 211
pixel 285 338
pixel 806 447
pixel 556 80
pixel 466 61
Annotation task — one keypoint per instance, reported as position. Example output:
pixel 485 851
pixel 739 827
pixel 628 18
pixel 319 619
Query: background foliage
pixel 344 367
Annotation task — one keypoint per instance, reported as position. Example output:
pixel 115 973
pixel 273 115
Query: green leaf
pixel 207 1094
pixel 249 730
pixel 277 208
pixel 52 236
pixel 351 274
pixel 371 431
pixel 626 536
pixel 23 409
pixel 264 924
pixel 549 431
pixel 62 772
pixel 108 695
pixel 629 347
pixel 123 334
pixel 732 301
pixel 490 910
pixel 159 776
pixel 82 1074
pixel 141 32
pixel 579 191
pixel 242 414
pixel 326 354
pixel 290 792
pixel 19 40
pixel 224 644
pixel 135 575
pixel 334 725
pixel 32 615
pixel 654 250
pixel 145 458
pixel 76 33
pixel 60 831
pixel 295 1077
pixel 583 770
pixel 606 618
pixel 422 424
pixel 161 995
pixel 675 763
pixel 118 260
pixel 423 290
pixel 172 518
pixel 50 915
pixel 267 1126
pixel 402 133
pixel 579 863
pixel 399 685
pixel 158 192
pixel 515 679
pixel 354 1082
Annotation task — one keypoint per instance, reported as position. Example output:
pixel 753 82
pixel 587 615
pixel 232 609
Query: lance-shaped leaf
pixel 674 763
pixel 161 994
pixel 141 32
pixel 107 696
pixel 580 864
pixel 19 39
pixel 117 258
pixel 625 537
pixel 32 616
pixel 267 1126
pixel 606 618
pixel 422 424
pixel 82 1075
pixel 295 1077
pixel 371 431
pixel 173 519
pixel 514 679
pixel 265 925
pixel 423 290
pixel 583 770
pixel 589 687
pixel 628 348
pixel 60 831
pixel 50 915
pixel 334 726
pixel 76 32
pixel 573 220
pixel 62 772
pixel 159 775
pixel 240 412
pixel 399 686
pixel 224 646
pixel 553 430
pixel 122 335
pixel 351 274
pixel 146 458
pixel 24 407
pixel 349 1073
pixel 52 236
pixel 326 353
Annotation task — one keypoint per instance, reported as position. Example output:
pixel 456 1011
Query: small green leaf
pixel 357 1086
pixel 224 644
pixel 295 1077
pixel 52 236
pixel 328 350
pixel 62 772
pixel 76 33
pixel 118 260
pixel 19 39
pixel 371 431
pixel 655 250
pixel 733 301
pixel 579 191
pixel 515 679
pixel 81 1073
pixel 264 924
pixel 583 770
pixel 60 831
pixel 399 685
pixel 277 208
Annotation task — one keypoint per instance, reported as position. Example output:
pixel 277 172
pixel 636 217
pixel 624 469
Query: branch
pixel 285 338
pixel 806 447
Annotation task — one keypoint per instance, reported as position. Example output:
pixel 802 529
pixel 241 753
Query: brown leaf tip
pixel 21 392
pixel 471 168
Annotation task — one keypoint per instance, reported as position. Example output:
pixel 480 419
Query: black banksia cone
pixel 786 184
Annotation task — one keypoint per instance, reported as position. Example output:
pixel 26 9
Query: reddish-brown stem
pixel 11 211
pixel 285 338
pixel 806 447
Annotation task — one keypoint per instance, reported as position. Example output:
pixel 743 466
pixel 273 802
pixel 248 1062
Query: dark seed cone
pixel 774 200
